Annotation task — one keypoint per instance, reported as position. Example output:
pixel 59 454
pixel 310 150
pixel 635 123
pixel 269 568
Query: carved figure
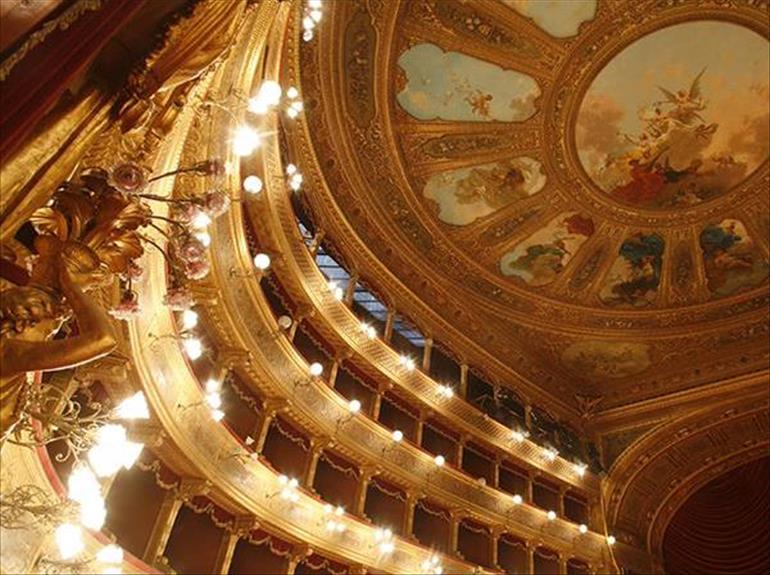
pixel 30 316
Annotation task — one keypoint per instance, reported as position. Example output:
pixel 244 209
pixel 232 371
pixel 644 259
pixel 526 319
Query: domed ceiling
pixel 579 188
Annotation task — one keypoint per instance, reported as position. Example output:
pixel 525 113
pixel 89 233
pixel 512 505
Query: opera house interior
pixel 385 287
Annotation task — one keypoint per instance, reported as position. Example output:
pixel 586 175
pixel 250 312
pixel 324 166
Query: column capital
pixel 319 443
pixel 190 487
pixel 300 551
pixel 273 405
pixel 497 530
pixel 369 470
pixel 344 354
pixel 243 525
pixel 384 386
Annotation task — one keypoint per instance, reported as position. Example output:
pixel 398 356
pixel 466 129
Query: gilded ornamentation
pixel 359 51
pixel 380 198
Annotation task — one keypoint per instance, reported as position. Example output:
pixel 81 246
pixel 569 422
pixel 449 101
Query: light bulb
pixel 551 454
pixel 316 369
pixel 295 182
pixel 292 113
pixel 213 385
pixel 214 400
pixel 193 347
pixel 407 362
pixel 307 35
pixel 611 540
pixel 387 547
pixel 217 414
pixel 397 435
pixel 200 221
pixel 270 92
pixel 262 261
pixel 69 540
pixel 446 391
pixel 130 453
pixel 580 469
pixel 439 460
pixel 517 499
pixel 583 528
pixel 291 169
pixel 252 185
pixel 111 554
pixel 257 106
pixel 314 4
pixel 292 93
pixel 517 436
pixel 245 141
pixel 354 406
pixel 189 319
pixel 105 455
pixel 135 407
pixel 93 514
pixel 82 484
pixel 316 15
pixel 308 23
pixel 336 290
pixel 204 238
pixel 284 322
pixel 551 515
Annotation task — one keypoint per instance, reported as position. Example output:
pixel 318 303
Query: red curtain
pixel 37 82
pixel 724 527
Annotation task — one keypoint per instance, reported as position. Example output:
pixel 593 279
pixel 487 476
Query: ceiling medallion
pixel 665 128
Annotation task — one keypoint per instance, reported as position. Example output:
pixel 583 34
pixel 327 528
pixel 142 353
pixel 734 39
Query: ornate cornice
pixel 656 474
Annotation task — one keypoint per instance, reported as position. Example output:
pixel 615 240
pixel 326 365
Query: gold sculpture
pixel 30 316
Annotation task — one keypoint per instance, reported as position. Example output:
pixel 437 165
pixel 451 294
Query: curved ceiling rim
pixel 745 17
pixel 669 316
pixel 663 517
pixel 637 451
pixel 626 470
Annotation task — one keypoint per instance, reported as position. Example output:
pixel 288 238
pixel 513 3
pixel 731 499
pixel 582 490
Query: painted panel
pixel 634 277
pixel 676 119
pixel 559 18
pixel 454 86
pixel 466 194
pixel 539 259
pixel 613 359
pixel 731 260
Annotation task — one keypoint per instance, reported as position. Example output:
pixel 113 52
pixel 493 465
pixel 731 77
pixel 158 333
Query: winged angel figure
pixel 667 164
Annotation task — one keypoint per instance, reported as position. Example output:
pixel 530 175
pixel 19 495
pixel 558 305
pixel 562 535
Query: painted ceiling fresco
pixel 559 18
pixel 455 86
pixel 677 118
pixel 466 194
pixel 589 176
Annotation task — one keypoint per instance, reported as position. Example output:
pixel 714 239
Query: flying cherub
pixel 686 104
